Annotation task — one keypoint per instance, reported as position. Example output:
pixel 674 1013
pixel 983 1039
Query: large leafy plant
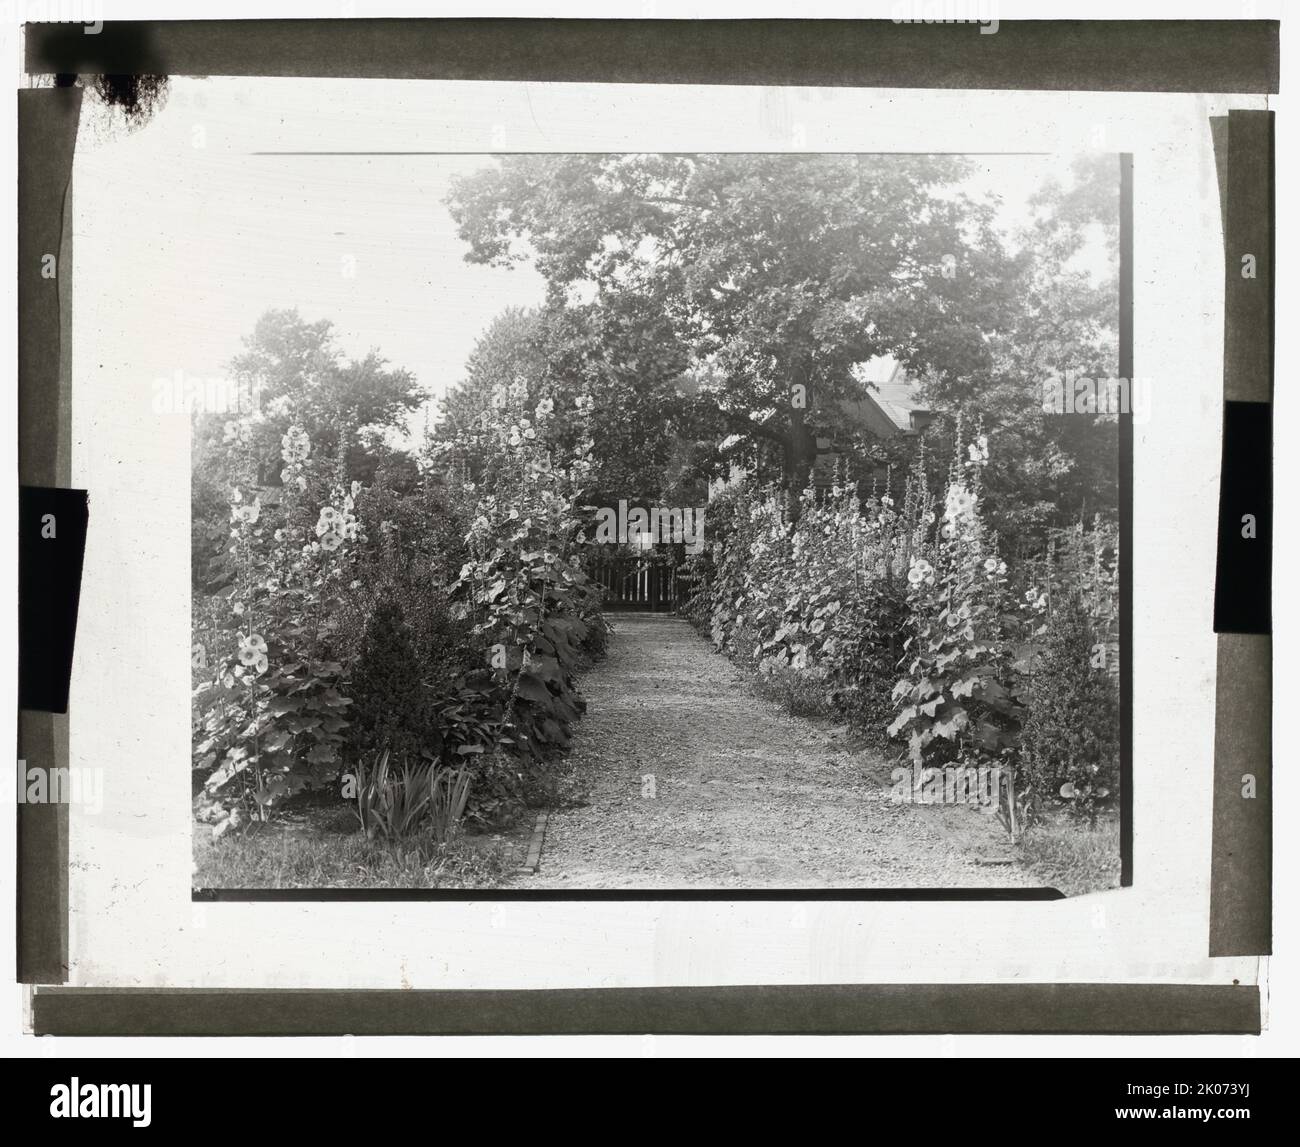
pixel 532 610
pixel 957 658
pixel 816 605
pixel 273 714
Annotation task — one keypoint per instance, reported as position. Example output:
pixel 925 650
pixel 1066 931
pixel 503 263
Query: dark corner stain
pixel 120 64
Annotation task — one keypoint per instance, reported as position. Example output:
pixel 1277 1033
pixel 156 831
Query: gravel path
pixel 743 795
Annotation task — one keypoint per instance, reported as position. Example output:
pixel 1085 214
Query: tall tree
pixel 622 357
pixel 778 273
pixel 299 376
pixel 1062 304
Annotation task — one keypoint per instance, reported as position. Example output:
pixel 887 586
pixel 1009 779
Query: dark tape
pixel 1243 582
pixel 51 549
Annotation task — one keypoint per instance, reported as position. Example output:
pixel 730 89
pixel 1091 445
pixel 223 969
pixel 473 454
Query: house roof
pixel 889 399
pixel 890 390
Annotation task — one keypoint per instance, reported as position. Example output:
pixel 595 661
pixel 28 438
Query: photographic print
pixel 652 521
pixel 698 543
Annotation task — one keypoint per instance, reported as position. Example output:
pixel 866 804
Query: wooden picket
pixel 638 581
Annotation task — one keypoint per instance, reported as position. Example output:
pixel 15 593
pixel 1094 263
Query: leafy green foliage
pixel 421 799
pixel 449 791
pixel 297 377
pixel 622 356
pixel 523 586
pixel 1013 668
pixel 774 271
pixel 956 684
pixel 1071 736
pixel 1043 472
pixel 390 588
pixel 272 716
pixel 391 805
pixel 815 606
pixel 390 709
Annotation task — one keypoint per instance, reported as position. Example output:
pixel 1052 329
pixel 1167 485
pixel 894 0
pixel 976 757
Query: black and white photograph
pixel 646 529
pixel 641 520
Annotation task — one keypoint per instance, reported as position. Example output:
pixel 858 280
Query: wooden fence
pixel 638 581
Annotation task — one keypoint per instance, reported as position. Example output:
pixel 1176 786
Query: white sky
pixel 180 248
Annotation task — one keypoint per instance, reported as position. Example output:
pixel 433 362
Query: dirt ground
pixel 684 778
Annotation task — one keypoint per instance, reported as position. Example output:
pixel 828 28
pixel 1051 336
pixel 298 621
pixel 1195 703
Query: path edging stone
pixel 534 858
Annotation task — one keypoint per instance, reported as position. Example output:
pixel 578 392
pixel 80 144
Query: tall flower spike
pixel 912 491
pixel 954 469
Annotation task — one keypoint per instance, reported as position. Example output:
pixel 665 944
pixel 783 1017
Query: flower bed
pixel 440 623
pixel 908 621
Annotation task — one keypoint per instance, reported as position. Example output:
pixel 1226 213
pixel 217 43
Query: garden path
pixel 684 778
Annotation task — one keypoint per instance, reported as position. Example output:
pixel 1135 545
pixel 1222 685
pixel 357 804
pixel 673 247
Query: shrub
pixel 390 705
pixel 419 544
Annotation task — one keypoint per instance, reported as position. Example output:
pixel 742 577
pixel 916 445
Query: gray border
pixel 1241 864
pixel 1234 56
pixel 47 133
pixel 867 1009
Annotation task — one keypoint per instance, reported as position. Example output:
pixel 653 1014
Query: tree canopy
pixel 776 273
pixel 298 376
pixel 710 295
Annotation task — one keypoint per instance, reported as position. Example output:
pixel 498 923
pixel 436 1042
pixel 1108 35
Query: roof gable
pixel 892 397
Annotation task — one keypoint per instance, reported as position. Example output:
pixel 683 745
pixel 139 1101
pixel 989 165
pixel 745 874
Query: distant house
pixel 892 403
pixel 889 406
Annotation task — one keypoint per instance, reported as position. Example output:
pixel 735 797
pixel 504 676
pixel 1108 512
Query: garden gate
pixel 645 580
